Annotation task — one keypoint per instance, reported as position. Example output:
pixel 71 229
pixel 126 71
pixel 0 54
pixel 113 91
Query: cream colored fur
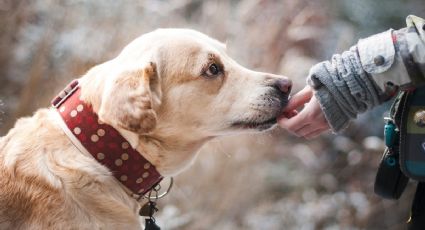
pixel 159 93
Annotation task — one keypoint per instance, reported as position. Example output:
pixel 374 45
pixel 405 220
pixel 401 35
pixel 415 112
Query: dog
pixel 167 93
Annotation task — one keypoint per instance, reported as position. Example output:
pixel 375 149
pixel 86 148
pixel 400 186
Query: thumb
pixel 299 99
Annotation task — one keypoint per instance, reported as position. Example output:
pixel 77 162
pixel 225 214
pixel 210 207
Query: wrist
pixel 333 113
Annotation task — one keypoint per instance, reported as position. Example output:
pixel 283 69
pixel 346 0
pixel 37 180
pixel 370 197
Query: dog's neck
pixel 171 153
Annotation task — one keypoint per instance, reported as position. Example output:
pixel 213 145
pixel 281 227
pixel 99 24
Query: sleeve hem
pixel 333 113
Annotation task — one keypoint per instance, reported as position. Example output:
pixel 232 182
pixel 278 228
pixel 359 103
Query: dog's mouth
pixel 274 107
pixel 263 125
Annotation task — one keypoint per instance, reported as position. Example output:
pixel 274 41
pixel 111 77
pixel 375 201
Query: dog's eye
pixel 213 70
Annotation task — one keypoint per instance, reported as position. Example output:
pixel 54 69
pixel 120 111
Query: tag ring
pixel 156 189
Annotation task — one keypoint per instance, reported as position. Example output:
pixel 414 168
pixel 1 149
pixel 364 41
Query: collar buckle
pixel 65 93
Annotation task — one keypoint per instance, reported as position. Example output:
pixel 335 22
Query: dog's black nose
pixel 284 85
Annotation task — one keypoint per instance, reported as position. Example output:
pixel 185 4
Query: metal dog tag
pixel 146 210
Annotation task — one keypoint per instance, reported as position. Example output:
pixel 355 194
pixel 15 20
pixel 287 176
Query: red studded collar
pixel 103 142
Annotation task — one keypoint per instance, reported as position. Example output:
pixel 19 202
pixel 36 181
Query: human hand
pixel 310 121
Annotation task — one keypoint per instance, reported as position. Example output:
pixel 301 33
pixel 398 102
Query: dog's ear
pixel 128 102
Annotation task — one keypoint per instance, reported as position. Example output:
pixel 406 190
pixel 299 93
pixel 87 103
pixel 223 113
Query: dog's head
pixel 180 84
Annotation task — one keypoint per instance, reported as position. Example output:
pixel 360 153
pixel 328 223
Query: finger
pixel 293 124
pixel 288 114
pixel 316 133
pixel 299 132
pixel 309 128
pixel 299 99
pixel 293 132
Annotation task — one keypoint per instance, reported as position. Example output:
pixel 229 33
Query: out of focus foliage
pixel 267 181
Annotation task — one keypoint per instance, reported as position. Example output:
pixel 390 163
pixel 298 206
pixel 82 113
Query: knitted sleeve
pixel 343 88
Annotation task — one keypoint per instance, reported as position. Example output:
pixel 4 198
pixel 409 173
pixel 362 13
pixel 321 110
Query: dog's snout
pixel 283 85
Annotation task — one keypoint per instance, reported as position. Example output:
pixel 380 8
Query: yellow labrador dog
pixel 166 93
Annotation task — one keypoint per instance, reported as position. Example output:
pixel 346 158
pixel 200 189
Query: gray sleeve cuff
pixel 343 88
pixel 336 118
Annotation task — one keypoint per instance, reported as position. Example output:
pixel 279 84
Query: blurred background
pixel 266 181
